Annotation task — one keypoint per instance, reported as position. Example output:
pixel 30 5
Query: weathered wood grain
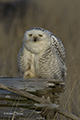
pixel 34 84
pixel 38 88
pixel 24 92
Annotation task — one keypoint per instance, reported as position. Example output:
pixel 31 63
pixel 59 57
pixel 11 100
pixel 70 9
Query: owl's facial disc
pixel 35 41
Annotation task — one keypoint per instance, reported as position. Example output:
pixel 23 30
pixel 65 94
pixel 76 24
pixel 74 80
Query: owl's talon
pixel 26 77
pixel 28 74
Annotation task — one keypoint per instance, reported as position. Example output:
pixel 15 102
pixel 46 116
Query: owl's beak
pixel 35 39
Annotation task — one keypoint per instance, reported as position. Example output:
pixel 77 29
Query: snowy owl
pixel 42 55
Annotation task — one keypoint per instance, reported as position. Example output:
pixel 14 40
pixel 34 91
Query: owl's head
pixel 36 40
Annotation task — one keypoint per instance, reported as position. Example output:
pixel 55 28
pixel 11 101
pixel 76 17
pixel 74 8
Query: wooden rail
pixel 32 96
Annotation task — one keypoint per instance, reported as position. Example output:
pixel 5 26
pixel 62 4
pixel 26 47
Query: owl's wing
pixel 60 51
pixel 23 59
pixel 57 45
pixel 59 48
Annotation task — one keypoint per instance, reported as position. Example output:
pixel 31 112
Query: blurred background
pixel 62 18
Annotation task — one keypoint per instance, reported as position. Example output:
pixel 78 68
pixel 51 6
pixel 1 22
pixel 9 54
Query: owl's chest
pixel 44 65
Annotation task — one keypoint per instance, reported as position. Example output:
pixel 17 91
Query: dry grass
pixel 60 17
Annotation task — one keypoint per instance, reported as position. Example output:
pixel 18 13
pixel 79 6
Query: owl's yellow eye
pixel 30 35
pixel 40 35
